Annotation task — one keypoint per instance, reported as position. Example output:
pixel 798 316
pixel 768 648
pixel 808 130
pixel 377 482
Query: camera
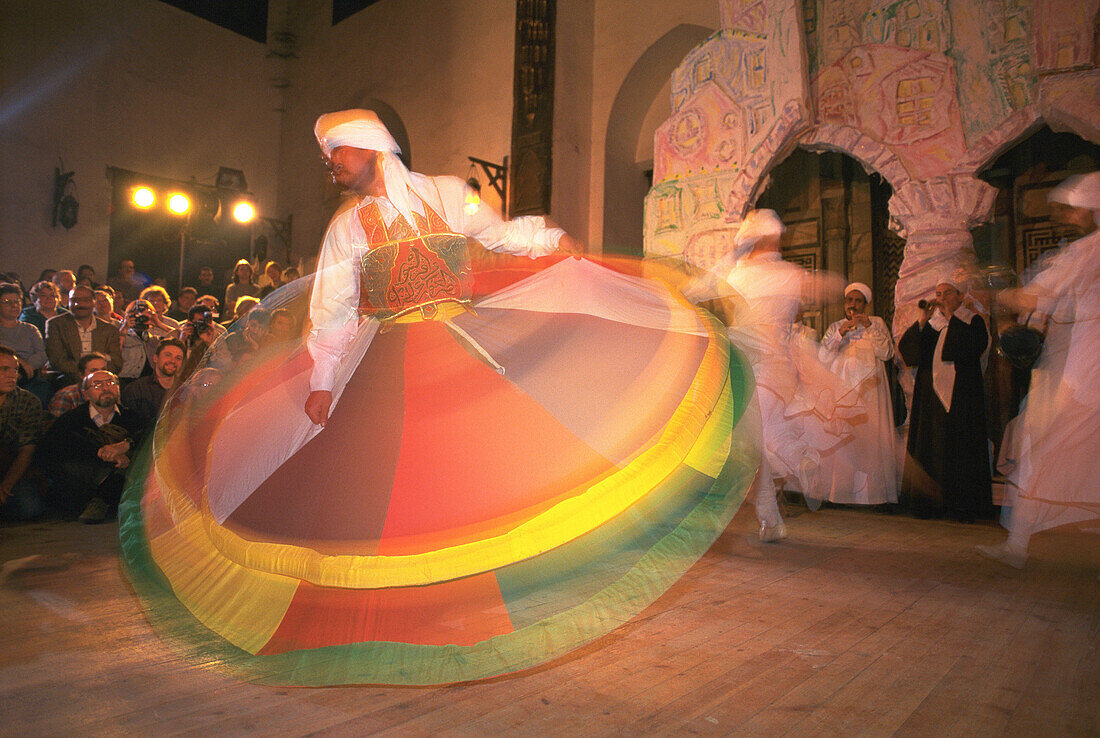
pixel 140 317
pixel 200 318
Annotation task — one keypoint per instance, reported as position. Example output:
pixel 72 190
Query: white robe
pixel 804 408
pixel 1056 438
pixel 864 469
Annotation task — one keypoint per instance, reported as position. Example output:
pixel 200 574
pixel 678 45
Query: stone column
pixel 935 217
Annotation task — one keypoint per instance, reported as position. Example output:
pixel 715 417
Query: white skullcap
pixel 953 280
pixel 756 225
pixel 1079 191
pixel 860 288
pixel 358 128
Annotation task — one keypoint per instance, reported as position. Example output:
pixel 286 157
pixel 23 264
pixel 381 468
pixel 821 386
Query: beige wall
pixel 141 85
pixel 128 83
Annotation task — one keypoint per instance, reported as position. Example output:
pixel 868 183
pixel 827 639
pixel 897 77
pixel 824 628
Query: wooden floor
pixel 861 623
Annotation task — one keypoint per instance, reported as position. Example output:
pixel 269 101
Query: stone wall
pixel 924 92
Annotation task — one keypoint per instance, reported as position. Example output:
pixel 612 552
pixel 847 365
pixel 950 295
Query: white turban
pixel 1079 191
pixel 861 288
pixel 756 225
pixel 358 128
pixel 362 129
pixel 952 280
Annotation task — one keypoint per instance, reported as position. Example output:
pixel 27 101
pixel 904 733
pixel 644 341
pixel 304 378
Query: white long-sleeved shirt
pixel 334 304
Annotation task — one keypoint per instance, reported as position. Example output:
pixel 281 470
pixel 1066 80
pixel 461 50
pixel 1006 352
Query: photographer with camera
pixel 141 330
pixel 199 333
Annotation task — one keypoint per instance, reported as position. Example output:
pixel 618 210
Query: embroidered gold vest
pixel 405 268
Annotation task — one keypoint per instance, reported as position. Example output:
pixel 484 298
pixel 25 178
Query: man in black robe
pixel 947 452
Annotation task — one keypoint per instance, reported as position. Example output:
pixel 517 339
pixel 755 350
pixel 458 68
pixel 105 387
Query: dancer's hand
pixel 569 245
pixel 317 406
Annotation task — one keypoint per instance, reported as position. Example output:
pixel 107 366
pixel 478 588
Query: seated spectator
pixel 22 338
pixel 199 333
pixel 69 396
pixel 290 274
pixel 46 275
pixel 78 332
pixel 20 430
pixel 140 334
pixel 44 306
pixel 64 280
pixel 85 272
pixel 242 284
pixel 25 340
pixel 283 327
pixel 145 396
pixel 246 342
pixel 241 309
pixel 207 284
pixel 105 306
pixel 211 302
pixel 127 282
pixel 87 450
pixel 159 299
pixel 272 276
pixel 179 309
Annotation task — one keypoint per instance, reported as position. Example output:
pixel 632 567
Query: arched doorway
pixel 1021 232
pixel 837 219
pixel 626 184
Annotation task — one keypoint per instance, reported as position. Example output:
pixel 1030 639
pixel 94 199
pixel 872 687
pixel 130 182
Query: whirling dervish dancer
pixel 478 482
pixel 1055 478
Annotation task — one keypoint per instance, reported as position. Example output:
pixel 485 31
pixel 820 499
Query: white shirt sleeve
pixel 334 304
pixel 832 338
pixel 524 236
pixel 880 339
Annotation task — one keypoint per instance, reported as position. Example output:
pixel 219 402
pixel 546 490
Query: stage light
pixel 179 203
pixel 144 198
pixel 243 212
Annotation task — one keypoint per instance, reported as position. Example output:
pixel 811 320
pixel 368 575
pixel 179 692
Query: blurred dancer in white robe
pixel 864 469
pixel 1056 479
pixel 801 404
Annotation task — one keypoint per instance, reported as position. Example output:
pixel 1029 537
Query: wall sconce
pixel 497 175
pixel 65 206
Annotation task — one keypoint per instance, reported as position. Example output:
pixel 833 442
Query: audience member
pixel 242 284
pixel 25 340
pixel 282 327
pixel 88 449
pixel 199 333
pixel 241 309
pixel 78 332
pixel 126 282
pixel 87 272
pixel 246 342
pixel 20 430
pixel 211 302
pixel 159 299
pixel 46 275
pixel 290 274
pixel 947 452
pixel 179 309
pixel 863 470
pixel 272 276
pixel 145 396
pixel 207 285
pixel 140 334
pixel 69 396
pixel 104 306
pixel 44 299
pixel 64 280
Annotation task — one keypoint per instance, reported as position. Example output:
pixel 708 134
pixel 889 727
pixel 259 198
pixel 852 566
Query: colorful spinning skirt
pixel 494 487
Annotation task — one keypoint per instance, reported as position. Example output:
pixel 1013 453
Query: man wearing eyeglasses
pixel 88 449
pixel 70 336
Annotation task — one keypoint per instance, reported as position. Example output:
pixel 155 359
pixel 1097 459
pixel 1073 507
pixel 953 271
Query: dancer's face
pixel 352 168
